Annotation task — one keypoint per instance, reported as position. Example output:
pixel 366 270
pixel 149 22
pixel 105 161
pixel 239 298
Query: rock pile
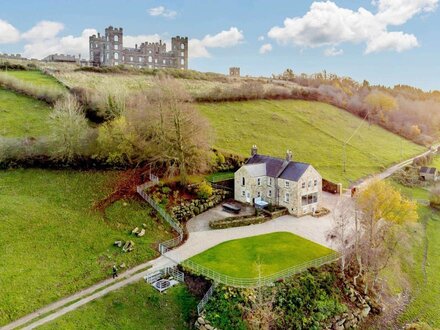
pixel 187 210
pixel 363 306
pixel 203 324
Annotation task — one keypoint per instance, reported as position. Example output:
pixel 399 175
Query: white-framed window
pixel 131 58
pixel 116 47
pixel 269 182
pixel 116 38
pixel 287 184
pixel 182 46
pixel 315 183
pixel 107 56
pixel 116 56
pixel 155 60
pixel 259 181
pixel 182 61
pixel 140 59
pixel 116 63
pixel 303 185
pixel 269 193
pixel 243 181
pixel 182 54
pixel 150 59
pixel 287 197
pixel 310 183
pixel 164 61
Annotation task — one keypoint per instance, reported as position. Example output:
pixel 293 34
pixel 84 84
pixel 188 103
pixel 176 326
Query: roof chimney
pixel 289 155
pixel 254 150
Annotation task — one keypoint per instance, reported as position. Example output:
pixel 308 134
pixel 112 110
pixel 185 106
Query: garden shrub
pixel 238 221
pixel 204 190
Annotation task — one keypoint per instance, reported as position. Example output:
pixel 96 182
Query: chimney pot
pixel 254 150
pixel 288 155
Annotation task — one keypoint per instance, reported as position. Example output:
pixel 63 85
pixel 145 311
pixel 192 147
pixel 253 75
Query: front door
pixel 248 197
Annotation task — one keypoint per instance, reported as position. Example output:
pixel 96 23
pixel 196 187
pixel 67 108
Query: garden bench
pixel 231 208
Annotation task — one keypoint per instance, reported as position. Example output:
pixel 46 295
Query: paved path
pixel 391 170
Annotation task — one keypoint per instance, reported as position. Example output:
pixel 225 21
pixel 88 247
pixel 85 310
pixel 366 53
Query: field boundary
pixel 258 281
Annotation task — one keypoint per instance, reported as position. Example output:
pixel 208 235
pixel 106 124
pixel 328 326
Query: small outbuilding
pixel 428 173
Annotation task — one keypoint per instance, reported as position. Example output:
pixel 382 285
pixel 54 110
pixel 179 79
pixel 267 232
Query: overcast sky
pixel 384 41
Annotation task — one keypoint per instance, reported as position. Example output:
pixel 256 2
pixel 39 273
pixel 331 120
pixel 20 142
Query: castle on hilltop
pixel 108 50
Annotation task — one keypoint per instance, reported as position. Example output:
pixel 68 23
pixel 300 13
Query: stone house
pixel 428 173
pixel 282 182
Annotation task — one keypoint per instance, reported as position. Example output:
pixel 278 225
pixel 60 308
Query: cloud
pixel 8 33
pixel 260 38
pixel 326 24
pixel 163 12
pixel 62 45
pixel 223 39
pixel 43 30
pixel 266 48
pixel 333 51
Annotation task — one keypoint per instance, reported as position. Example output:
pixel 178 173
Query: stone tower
pixel 234 71
pixel 179 46
pixel 113 50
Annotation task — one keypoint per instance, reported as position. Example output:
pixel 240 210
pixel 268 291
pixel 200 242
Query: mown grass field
pixel 314 131
pixel 22 116
pixel 138 306
pixel 260 255
pixel 37 78
pixel 53 243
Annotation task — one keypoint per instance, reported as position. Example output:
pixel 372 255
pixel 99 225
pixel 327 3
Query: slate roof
pixel 279 168
pixel 256 170
pixel 428 170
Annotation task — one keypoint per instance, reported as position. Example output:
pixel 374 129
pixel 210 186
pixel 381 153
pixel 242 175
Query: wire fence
pixel 205 299
pixel 258 281
pixel 167 245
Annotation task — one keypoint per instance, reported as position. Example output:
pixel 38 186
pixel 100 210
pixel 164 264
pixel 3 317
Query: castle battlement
pixel 108 50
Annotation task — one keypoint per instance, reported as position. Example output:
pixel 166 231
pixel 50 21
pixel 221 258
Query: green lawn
pixel 138 306
pixel 53 244
pixel 37 78
pixel 220 176
pixel 22 116
pixel 314 131
pixel 273 252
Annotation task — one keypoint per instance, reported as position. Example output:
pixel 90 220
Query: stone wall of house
pixel 294 189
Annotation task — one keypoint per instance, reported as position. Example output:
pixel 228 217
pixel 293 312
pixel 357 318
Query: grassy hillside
pixel 54 244
pixel 22 116
pixel 138 306
pixel 314 131
pixel 37 78
pixel 425 303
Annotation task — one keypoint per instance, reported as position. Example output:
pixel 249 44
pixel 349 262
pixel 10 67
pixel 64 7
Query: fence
pixel 261 281
pixel 167 245
pixel 204 301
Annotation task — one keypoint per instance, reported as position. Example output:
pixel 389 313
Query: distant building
pixel 12 57
pixel 61 58
pixel 108 50
pixel 428 173
pixel 266 180
pixel 234 71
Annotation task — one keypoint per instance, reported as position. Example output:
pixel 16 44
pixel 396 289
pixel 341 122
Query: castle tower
pixel 113 46
pixel 179 46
